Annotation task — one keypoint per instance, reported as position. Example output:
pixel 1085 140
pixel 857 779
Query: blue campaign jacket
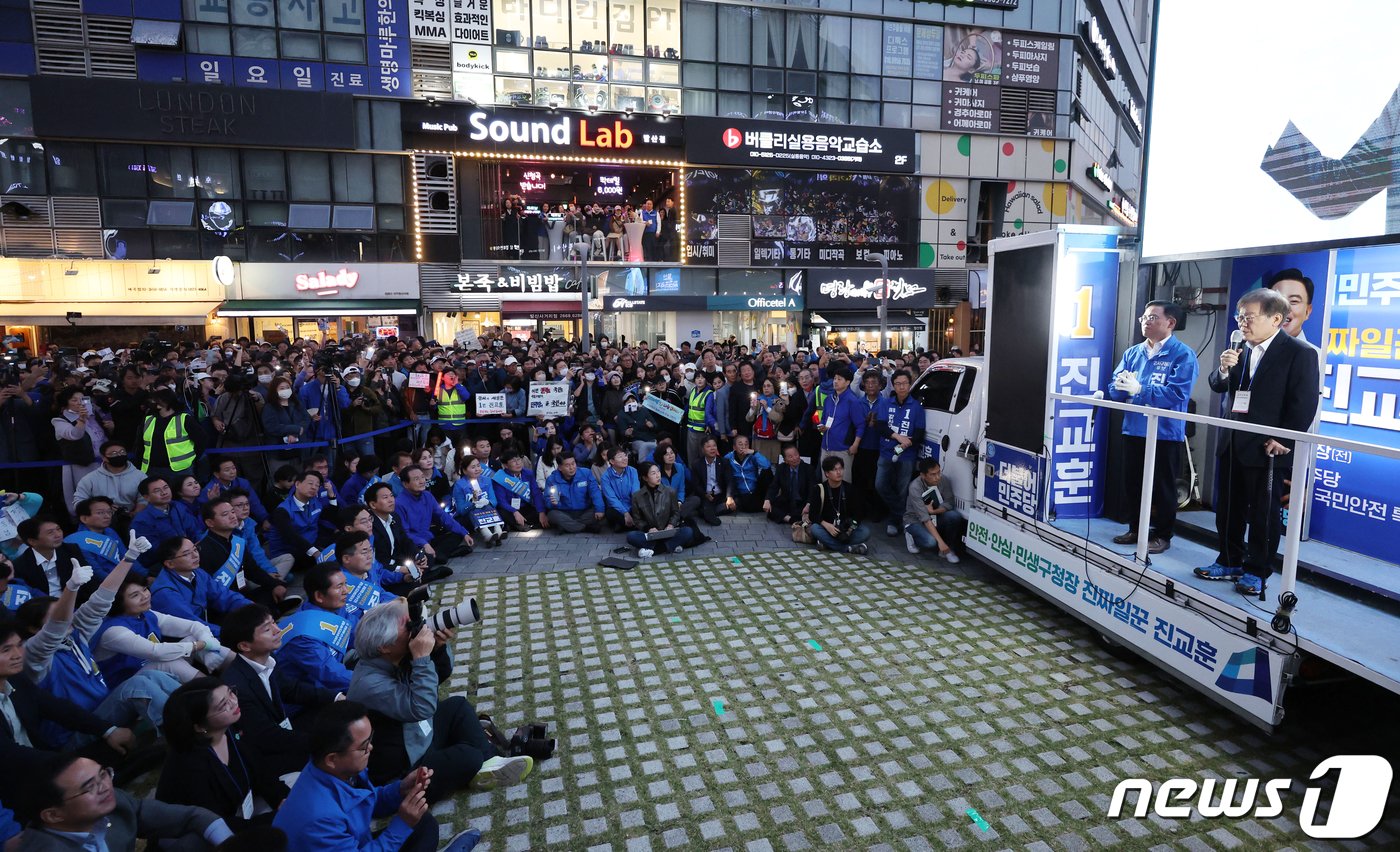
pixel 573 496
pixel 504 495
pixel 618 488
pixel 196 599
pixel 157 525
pixel 745 473
pixel 305 522
pixel 325 814
pixel 310 660
pixel 845 416
pixel 676 480
pixel 907 419
pixel 249 534
pixel 103 550
pixel 208 492
pixel 354 488
pixel 1166 383
pixel 416 514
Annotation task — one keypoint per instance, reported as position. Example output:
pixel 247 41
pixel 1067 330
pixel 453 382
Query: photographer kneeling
pixel 397 678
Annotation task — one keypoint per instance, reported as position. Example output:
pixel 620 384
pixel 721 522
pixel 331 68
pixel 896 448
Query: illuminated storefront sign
pixel 1093 33
pixel 324 283
pixel 520 130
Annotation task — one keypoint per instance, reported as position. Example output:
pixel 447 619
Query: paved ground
pixel 790 699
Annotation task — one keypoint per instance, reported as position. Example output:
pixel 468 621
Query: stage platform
pixel 1350 629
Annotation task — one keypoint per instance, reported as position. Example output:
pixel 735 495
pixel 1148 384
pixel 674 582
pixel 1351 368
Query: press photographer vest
pixel 695 414
pixel 179 447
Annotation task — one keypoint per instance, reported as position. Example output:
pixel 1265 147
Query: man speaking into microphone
pixel 1272 380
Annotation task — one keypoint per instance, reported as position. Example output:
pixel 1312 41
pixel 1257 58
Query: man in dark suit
pixel 48 563
pixel 391 544
pixel 253 635
pixel 1272 382
pixel 710 476
pixel 787 493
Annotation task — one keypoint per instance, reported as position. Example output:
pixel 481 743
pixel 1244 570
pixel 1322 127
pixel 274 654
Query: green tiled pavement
pixel 694 712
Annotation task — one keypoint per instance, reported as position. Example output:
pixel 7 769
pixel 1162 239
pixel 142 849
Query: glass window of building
pixel 170 171
pixel 257 13
pixel 124 169
pixel 388 179
pixel 264 175
pixel 72 168
pixel 733 34
pixel 297 45
pixel 511 18
pixel 309 176
pixel 217 173
pixel 214 11
pixel 664 29
pixel 208 39
pixel 698 41
pixel 835 43
pixel 866 44
pixel 352 177
pixel 627 26
pixel 768 27
pixel 22 167
pixel 255 41
pixel 299 14
pixel 345 49
pixel 551 26
pixel 590 27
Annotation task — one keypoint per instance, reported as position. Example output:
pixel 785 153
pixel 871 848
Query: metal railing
pixel 1303 443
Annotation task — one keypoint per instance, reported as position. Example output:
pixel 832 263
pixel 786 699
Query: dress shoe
pixel 432 575
pixel 1158 545
pixel 1129 537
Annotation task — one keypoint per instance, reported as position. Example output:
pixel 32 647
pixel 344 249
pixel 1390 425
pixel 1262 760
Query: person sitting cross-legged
pixel 575 501
pixel 656 509
pixel 319 635
pixel 396 677
pixel 830 511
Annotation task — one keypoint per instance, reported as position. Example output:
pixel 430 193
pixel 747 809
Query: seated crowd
pixel 192 590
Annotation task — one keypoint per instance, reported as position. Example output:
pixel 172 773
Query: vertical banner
pixel 1355 501
pixel 1086 299
pixel 389 49
pixel 470 23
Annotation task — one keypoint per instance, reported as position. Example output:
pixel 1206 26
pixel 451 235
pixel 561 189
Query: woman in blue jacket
pixel 673 473
pixel 474 504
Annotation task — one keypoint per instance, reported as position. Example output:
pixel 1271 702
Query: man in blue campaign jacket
pixel 96 538
pixel 184 591
pixel 1158 372
pixel 749 473
pixel 248 529
pixel 575 501
pixel 333 805
pixel 619 483
pixel 319 635
pixel 225 479
pixel 518 498
pixel 163 517
pixel 426 523
pixel 364 578
pixel 298 528
pixel 842 420
pixel 900 421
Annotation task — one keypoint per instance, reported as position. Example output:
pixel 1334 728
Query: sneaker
pixel 1158 545
pixel 891 530
pixel 1129 537
pixel 909 543
pixel 464 841
pixel 858 549
pixel 677 549
pixel 1249 584
pixel 1216 571
pixel 950 557
pixel 645 553
pixel 502 772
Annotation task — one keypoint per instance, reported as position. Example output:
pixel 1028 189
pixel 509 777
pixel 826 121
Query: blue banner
pixel 1086 297
pixel 1015 479
pixel 1355 502
pixel 388 43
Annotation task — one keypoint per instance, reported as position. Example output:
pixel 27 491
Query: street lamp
pixel 585 252
pixel 880 258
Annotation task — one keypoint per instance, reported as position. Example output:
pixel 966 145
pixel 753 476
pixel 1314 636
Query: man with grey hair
pixel 1271 381
pixel 397 679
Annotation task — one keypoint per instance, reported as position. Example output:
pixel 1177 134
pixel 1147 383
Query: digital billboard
pixel 1272 123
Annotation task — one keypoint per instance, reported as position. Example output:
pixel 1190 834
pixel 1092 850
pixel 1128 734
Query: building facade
pixel 487 144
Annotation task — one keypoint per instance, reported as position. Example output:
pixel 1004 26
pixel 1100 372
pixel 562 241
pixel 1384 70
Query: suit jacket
pixel 27 568
pixel 403 547
pixel 34 706
pixel 263 714
pixel 197 778
pixel 698 475
pixel 1283 392
pixel 780 493
pixel 131 818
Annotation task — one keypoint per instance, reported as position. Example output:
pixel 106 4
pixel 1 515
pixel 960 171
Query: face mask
pixel 118 461
pixel 264 378
pixel 539 377
pixel 284 393
pixel 353 381
pixel 631 406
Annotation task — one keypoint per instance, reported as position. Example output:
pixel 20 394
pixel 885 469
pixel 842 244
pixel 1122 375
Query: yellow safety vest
pixel 695 417
pixel 452 407
pixel 179 448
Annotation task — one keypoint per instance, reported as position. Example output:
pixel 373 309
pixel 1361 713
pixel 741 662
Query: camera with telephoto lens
pixel 464 614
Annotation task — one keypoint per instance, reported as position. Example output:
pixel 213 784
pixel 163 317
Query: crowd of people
pixel 217 557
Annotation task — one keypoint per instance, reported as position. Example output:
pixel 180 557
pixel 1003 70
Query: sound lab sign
pixel 514 130
pixel 775 144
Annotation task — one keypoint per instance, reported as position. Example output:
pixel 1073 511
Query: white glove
pixel 1128 383
pixel 313 552
pixel 138 545
pixel 81 574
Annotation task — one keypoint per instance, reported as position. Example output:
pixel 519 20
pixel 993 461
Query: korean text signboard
pixel 548 399
pixel 786 144
pixel 979 62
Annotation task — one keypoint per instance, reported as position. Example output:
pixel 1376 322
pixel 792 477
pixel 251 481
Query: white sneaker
pixel 645 553
pixel 891 530
pixel 950 557
pixel 502 772
pixel 909 543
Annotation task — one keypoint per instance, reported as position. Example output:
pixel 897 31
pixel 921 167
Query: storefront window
pixel 511 18
pixel 664 28
pixel 660 100
pixel 664 73
pixel 72 170
pixel 590 28
pixel 551 19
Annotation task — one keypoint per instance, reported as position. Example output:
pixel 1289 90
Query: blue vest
pixel 325 627
pixel 514 485
pixel 104 547
pixel 119 667
pixel 361 593
pixel 73 675
pixel 15 595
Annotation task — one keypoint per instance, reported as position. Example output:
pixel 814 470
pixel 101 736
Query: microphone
pixel 1237 340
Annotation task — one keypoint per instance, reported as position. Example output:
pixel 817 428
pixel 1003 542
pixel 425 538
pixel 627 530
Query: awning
pixel 308 308
pixel 867 319
pixel 117 314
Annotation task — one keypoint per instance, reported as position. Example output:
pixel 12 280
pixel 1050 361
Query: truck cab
pixel 950 392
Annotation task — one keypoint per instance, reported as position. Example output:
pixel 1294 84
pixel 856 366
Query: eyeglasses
pixel 189 551
pixel 228 703
pixel 99 783
pixel 1246 319
pixel 1147 319
pixel 367 746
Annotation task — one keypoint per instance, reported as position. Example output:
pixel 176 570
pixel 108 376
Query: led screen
pixel 1272 123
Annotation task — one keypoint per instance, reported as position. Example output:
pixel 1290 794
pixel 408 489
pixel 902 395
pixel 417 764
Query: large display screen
pixel 1261 135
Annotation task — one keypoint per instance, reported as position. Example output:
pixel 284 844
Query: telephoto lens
pixel 463 614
